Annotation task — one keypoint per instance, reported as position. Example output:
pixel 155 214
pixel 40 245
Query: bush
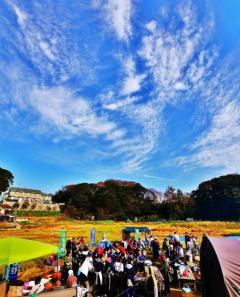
pixel 25 205
pixel 33 206
pixel 16 205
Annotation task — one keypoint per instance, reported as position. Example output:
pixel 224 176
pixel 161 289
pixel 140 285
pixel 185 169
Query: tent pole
pixel 57 261
pixel 7 270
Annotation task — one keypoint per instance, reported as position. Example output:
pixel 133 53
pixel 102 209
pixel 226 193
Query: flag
pixel 92 237
pixel 62 243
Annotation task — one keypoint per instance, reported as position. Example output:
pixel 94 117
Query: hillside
pixel 218 198
pixel 105 200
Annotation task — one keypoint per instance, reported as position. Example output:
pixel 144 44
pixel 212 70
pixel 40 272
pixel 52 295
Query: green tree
pixel 111 199
pixel 219 198
pixel 6 179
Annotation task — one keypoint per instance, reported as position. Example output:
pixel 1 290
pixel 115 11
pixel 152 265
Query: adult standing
pixel 151 282
pixel 99 269
pixel 176 236
pixel 167 271
pixel 187 239
pixel 118 270
pixel 155 248
pixel 84 270
pixel 129 272
pixel 75 256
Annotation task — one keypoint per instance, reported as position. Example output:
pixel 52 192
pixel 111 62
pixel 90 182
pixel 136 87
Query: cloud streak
pixel 132 81
pixel 178 60
pixel 70 114
pixel 118 16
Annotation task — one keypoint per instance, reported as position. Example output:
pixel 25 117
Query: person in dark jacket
pixel 69 245
pixel 187 239
pixel 99 270
pixel 155 248
pixel 118 278
pixel 129 273
pixel 107 276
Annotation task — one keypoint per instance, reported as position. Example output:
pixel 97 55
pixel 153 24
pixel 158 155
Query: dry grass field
pixel 46 229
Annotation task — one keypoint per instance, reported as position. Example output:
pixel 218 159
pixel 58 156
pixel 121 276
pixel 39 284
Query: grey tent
pixel 220 267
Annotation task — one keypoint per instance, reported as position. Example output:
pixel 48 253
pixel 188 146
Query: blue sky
pixel 136 90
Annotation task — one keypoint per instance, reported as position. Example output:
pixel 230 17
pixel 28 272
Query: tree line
pixel 215 199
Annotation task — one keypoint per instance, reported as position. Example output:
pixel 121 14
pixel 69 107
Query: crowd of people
pixel 128 268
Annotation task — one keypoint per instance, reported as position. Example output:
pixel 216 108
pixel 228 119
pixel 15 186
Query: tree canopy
pixel 109 199
pixel 6 179
pixel 115 199
pixel 218 198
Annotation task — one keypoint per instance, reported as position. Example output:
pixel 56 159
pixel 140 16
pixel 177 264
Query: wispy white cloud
pixel 151 26
pixel 219 143
pixel 21 15
pixel 219 146
pixel 137 148
pixel 50 44
pixel 46 50
pixel 120 103
pixel 70 114
pixel 178 59
pixel 118 16
pixel 132 81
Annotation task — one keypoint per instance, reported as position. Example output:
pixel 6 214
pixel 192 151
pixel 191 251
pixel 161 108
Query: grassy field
pixel 46 228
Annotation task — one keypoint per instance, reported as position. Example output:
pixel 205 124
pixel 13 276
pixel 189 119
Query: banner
pixel 137 234
pixel 92 237
pixel 13 272
pixel 62 243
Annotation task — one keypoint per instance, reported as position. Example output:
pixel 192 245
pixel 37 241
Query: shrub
pixel 16 205
pixel 25 205
pixel 33 206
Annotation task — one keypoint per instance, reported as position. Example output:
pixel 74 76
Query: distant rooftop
pixel 26 190
pixel 5 206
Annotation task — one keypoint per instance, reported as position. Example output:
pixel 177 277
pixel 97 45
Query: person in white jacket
pixel 83 271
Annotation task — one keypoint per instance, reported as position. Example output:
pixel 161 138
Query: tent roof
pixel 133 229
pixel 14 250
pixel 227 252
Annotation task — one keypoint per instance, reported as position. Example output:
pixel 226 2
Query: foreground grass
pixel 46 228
